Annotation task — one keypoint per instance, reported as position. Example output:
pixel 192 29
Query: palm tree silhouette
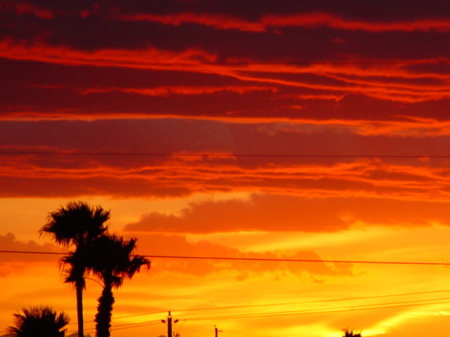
pixel 39 322
pixel 77 224
pixel 111 261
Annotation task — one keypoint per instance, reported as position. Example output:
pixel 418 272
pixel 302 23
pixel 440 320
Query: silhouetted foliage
pixel 111 260
pixel 77 224
pixel 350 333
pixel 39 322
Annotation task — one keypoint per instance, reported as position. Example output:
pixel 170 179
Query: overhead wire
pixel 180 326
pixel 374 306
pixel 285 303
pixel 296 312
pixel 330 310
pixel 252 259
pixel 296 260
pixel 317 301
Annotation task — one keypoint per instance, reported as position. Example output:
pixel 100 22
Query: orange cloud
pixel 417 127
pixel 411 127
pixel 272 213
pixel 178 245
pixel 13 262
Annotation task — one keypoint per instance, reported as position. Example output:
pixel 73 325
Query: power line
pixel 253 259
pixel 328 310
pixel 136 325
pixel 285 303
pixel 128 325
pixel 30 252
pixel 378 306
pixel 145 314
pixel 318 301
pixel 282 313
pixel 297 260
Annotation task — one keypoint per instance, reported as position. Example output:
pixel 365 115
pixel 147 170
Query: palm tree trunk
pixel 79 291
pixel 104 311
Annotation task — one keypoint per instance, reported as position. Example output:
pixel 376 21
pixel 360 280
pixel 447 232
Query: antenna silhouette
pixel 216 331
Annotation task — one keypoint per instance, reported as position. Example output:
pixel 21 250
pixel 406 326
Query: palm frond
pixel 39 321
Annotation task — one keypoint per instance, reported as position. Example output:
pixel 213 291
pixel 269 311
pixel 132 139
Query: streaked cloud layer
pixel 291 130
pixel 294 61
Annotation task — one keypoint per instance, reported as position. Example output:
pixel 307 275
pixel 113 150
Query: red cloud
pixel 213 20
pixel 214 88
pixel 269 21
pixel 119 157
pixel 25 8
pixel 122 176
pixel 150 58
pixel 322 19
pixel 166 91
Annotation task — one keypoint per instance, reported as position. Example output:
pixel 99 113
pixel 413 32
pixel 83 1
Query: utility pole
pixel 216 331
pixel 169 324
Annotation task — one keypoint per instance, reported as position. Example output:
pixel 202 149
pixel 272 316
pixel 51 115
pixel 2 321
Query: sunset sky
pixel 272 129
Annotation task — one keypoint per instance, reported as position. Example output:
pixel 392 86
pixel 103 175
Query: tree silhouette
pixel 77 224
pixel 350 333
pixel 112 260
pixel 39 322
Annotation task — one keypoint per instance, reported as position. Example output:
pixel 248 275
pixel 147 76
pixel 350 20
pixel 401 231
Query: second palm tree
pixel 112 259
